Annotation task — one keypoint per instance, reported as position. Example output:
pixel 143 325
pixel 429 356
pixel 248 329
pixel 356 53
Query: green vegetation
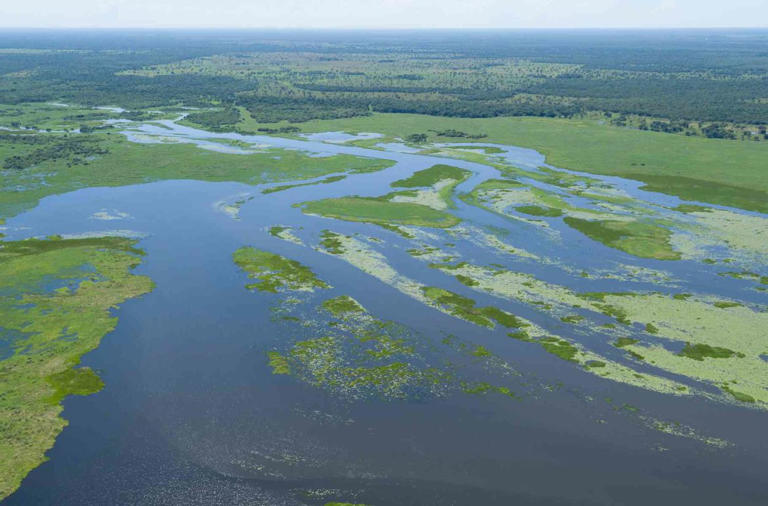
pixel 124 163
pixel 328 180
pixel 442 178
pixel 725 304
pixel 739 396
pixel 331 242
pixel 276 230
pixel 343 306
pixel 752 198
pixel 278 363
pixel 467 75
pixel 691 208
pixel 641 239
pixel 665 162
pixel 701 351
pixel 554 345
pixel 466 280
pixel 216 120
pixel 432 176
pixel 746 275
pixel 379 211
pixel 549 212
pixel 484 388
pixel 602 102
pixel 72 150
pixel 286 234
pixel 465 308
pixel 717 345
pixel 560 348
pixel 274 272
pixel 473 197
pixel 624 109
pixel 488 150
pixel 81 381
pixel 358 357
pixel 57 295
pixel 361 357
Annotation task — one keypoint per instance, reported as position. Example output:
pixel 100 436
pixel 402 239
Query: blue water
pixel 191 414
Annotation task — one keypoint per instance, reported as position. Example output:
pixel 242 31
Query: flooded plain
pixel 532 350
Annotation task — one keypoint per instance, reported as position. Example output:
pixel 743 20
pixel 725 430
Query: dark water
pixel 191 414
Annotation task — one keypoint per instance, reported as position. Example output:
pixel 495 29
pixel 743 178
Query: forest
pixel 712 84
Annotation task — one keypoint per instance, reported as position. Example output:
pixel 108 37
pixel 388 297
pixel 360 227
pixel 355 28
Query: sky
pixel 384 13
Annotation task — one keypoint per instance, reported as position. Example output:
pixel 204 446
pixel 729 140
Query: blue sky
pixel 385 13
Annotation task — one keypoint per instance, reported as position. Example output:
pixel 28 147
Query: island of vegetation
pixel 57 297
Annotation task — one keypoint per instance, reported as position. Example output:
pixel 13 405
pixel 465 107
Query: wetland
pixel 315 320
pixel 345 273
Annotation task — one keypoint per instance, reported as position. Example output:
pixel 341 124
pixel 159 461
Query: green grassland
pixel 57 297
pixel 726 172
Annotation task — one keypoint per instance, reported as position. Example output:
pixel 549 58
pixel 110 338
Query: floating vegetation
pixel 746 275
pixel 276 273
pixel 286 234
pixel 375 264
pixel 359 357
pixel 57 294
pixel 482 238
pixel 343 306
pixel 721 345
pixel 110 215
pixel 231 206
pixel 684 431
pixel 744 235
pixel 513 285
pixel 278 363
pixel 597 364
pixel 368 260
pixel 496 282
pixel 465 308
pixel 620 221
